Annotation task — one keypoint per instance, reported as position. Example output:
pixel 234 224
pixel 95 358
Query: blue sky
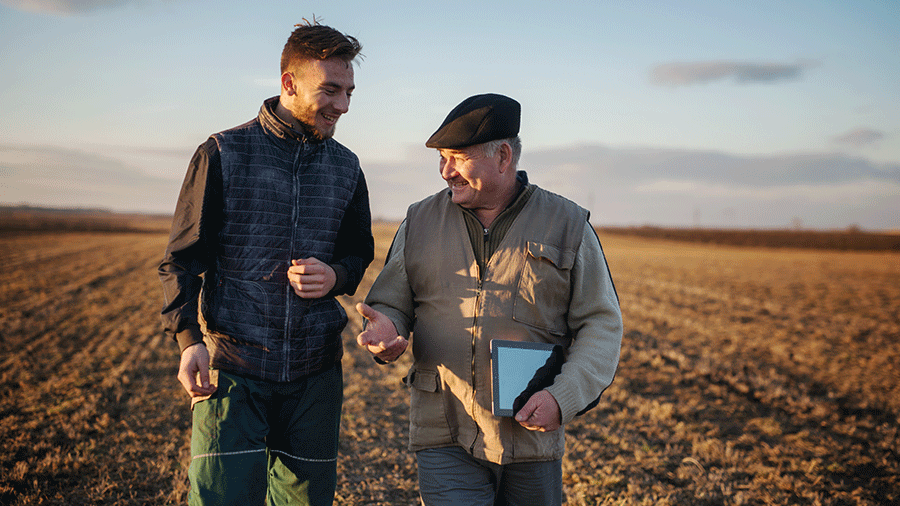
pixel 719 114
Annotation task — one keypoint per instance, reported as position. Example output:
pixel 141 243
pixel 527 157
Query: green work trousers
pixel 257 441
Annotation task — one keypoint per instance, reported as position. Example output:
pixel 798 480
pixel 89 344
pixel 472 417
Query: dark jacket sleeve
pixel 191 247
pixel 354 247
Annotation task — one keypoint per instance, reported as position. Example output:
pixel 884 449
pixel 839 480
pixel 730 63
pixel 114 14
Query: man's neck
pixel 487 216
pixel 285 115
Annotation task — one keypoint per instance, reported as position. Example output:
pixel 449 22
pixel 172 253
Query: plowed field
pixel 748 376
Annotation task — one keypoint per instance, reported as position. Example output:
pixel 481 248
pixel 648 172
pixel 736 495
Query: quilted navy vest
pixel 284 199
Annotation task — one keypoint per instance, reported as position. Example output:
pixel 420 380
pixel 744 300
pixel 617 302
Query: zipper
pixel 289 292
pixel 478 295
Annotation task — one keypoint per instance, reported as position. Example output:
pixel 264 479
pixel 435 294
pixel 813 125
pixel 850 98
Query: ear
pixel 287 84
pixel 505 152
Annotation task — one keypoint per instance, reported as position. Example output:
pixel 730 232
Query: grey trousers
pixel 450 476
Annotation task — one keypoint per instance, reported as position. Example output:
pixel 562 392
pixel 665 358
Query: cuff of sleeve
pixel 189 336
pixel 340 279
pixel 566 398
pixel 396 317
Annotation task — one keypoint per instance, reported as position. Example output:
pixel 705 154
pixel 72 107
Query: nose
pixel 342 103
pixel 448 169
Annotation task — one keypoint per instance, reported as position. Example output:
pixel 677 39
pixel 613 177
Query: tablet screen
pixel 513 366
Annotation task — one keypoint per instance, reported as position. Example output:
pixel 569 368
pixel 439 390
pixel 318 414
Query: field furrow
pixel 748 376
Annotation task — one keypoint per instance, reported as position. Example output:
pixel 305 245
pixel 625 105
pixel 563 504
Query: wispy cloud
pixel 62 7
pixel 59 177
pixel 673 187
pixel 619 185
pixel 821 193
pixel 641 165
pixel 689 73
pixel 859 137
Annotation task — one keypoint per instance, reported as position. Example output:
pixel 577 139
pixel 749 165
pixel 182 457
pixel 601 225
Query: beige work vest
pixel 523 295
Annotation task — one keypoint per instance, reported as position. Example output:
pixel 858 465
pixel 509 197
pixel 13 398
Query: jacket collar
pixel 277 127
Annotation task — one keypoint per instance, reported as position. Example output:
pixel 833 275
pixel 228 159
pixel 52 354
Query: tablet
pixel 517 367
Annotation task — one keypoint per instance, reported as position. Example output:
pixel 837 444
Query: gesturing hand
pixel 311 278
pixel 380 336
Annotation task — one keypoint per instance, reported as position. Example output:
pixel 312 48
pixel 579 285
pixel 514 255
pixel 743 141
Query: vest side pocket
pixel 542 298
pixel 427 420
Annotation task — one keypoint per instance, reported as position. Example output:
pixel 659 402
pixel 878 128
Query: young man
pixel 492 257
pixel 272 222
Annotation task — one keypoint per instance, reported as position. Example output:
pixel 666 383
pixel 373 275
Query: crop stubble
pixel 748 376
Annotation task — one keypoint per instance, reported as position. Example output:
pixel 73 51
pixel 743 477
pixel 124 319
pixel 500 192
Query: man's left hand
pixel 311 278
pixel 540 413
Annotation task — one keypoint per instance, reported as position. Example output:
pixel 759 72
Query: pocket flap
pixel 561 258
pixel 424 380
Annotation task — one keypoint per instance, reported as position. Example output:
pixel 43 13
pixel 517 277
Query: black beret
pixel 478 119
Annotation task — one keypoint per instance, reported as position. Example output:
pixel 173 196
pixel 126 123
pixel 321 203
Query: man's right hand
pixel 194 362
pixel 380 336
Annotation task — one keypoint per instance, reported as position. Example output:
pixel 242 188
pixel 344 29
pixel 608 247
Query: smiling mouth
pixel 330 119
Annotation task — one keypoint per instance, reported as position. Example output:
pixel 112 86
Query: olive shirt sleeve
pixel 391 293
pixel 595 322
pixel 190 251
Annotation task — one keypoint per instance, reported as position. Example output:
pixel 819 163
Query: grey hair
pixel 515 143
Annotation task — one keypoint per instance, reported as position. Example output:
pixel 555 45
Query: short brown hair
pixel 312 41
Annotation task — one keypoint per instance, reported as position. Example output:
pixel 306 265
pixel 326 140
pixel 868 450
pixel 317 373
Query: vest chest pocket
pixel 542 298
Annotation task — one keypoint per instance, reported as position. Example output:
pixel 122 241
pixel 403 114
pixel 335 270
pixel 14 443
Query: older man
pixel 492 257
